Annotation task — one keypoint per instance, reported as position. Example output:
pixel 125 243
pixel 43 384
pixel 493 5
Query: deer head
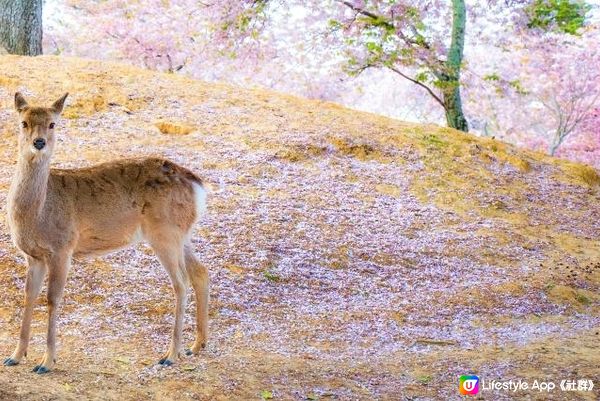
pixel 36 136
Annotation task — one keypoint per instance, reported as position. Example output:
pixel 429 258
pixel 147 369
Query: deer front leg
pixel 36 271
pixel 58 268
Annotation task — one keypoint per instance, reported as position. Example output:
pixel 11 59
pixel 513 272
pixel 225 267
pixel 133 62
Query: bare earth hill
pixel 352 256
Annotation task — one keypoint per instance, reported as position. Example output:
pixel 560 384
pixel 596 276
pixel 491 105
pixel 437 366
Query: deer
pixel 55 215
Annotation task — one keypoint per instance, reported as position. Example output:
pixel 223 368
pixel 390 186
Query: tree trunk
pixel 455 117
pixel 559 138
pixel 21 26
pixel 450 77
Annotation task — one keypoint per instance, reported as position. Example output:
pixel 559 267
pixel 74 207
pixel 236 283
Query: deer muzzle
pixel 39 143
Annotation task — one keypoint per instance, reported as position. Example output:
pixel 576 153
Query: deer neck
pixel 29 187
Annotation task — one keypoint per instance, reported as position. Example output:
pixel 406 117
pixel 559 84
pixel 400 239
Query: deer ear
pixel 57 106
pixel 20 102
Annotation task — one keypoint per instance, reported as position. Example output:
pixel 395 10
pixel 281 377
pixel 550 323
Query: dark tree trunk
pixel 450 78
pixel 21 26
pixel 455 117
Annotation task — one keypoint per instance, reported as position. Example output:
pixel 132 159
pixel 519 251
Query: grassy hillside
pixel 352 256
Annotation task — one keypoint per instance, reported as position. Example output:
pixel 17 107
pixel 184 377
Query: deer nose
pixel 39 143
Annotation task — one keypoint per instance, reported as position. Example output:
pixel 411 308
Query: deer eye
pixel 24 124
pixel 51 126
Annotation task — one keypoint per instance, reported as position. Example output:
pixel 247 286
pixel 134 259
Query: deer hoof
pixel 10 362
pixel 40 370
pixel 165 362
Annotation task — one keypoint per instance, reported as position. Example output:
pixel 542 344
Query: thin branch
pixel 387 24
pixel 421 84
pixel 366 13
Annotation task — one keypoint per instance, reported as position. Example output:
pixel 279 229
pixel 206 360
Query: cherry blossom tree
pixel 537 89
pixel 410 38
pixel 523 76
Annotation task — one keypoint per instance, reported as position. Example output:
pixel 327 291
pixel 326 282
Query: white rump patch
pixel 200 199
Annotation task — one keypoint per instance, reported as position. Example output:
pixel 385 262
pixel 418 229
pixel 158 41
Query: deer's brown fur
pixel 55 214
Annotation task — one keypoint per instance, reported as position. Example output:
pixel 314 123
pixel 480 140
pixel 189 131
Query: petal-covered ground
pixel 351 256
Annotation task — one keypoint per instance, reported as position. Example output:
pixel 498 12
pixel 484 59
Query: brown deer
pixel 57 214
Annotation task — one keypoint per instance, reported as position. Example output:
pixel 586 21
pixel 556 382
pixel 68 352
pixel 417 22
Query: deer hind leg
pixel 170 254
pixel 36 271
pixel 198 274
pixel 58 269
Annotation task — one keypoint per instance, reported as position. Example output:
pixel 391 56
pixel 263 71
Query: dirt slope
pixel 351 256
